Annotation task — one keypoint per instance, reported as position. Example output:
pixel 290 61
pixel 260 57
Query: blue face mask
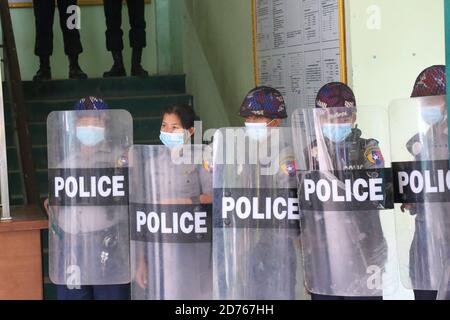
pixel 90 135
pixel 432 115
pixel 337 132
pixel 171 140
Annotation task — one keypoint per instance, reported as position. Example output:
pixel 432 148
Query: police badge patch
pixel 207 165
pixel 374 155
pixel 122 161
pixel 288 166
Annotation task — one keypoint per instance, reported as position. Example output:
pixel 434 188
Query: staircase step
pixel 143 98
pixel 101 87
pixel 39 157
pixel 144 128
pixel 145 106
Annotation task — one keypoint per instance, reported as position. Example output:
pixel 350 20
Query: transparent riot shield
pixel 170 221
pixel 345 195
pixel 256 243
pixel 419 144
pixel 444 287
pixel 88 197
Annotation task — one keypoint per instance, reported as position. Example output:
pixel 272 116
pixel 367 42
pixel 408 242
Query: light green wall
pixel 216 40
pixel 384 62
pixel 210 40
pixel 95 59
pixel 218 58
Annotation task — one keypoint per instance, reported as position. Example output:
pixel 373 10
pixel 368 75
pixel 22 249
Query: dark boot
pixel 118 69
pixel 44 72
pixel 75 71
pixel 136 67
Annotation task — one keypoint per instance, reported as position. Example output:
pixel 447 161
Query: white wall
pixel 388 43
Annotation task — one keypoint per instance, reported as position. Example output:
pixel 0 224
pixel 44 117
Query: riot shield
pixel 419 144
pixel 345 195
pixel 170 221
pixel 256 248
pixel 444 287
pixel 88 197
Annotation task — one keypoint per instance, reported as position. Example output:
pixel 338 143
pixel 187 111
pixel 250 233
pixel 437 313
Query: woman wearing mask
pixel 179 268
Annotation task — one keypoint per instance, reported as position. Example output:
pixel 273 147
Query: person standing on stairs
pixel 44 11
pixel 114 33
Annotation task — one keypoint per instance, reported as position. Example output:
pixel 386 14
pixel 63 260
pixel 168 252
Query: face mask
pixel 432 115
pixel 257 130
pixel 90 135
pixel 171 140
pixel 337 132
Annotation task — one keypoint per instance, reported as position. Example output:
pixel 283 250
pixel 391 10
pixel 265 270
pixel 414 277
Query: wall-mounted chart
pixel 299 46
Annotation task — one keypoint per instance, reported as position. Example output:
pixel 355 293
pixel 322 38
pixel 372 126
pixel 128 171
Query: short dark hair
pixel 186 114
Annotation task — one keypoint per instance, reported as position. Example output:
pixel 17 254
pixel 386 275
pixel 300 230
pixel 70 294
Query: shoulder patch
pixel 288 166
pixel 207 165
pixel 122 161
pixel 373 155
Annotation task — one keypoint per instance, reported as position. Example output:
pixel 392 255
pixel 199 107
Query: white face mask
pixel 257 130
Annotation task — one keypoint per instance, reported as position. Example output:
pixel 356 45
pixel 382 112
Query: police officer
pixel 89 236
pixel 114 33
pixel 44 11
pixel 187 266
pixel 432 145
pixel 265 259
pixel 345 149
pixel 264 108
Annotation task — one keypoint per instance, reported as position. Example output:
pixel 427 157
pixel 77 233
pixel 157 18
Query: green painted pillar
pixel 169 28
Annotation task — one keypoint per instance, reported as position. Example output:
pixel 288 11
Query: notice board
pixel 299 45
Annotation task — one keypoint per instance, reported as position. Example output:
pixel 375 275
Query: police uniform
pixel 429 248
pixel 114 33
pixel 273 254
pixel 92 227
pixel 44 11
pixel 268 256
pixel 344 239
pixel 178 260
